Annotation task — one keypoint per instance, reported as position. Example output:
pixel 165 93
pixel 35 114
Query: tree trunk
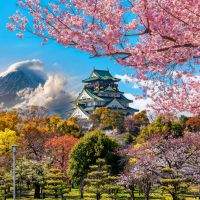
pixel 131 188
pixel 147 191
pixel 146 195
pixel 20 188
pixel 70 185
pixel 42 193
pixel 5 196
pixel 37 191
pixel 28 185
pixel 56 194
pixel 81 189
pixel 81 193
pixel 98 195
pixel 174 196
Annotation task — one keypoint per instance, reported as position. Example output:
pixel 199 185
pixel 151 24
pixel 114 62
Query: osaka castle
pixel 101 90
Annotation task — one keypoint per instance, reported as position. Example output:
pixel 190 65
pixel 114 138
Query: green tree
pixel 105 118
pixel 100 182
pixel 24 173
pixel 5 185
pixel 7 139
pixel 33 172
pixel 128 138
pixel 163 126
pixel 158 126
pixel 84 154
pixel 176 128
pixel 183 119
pixel 64 127
pixel 55 184
pixel 141 118
pixel 174 183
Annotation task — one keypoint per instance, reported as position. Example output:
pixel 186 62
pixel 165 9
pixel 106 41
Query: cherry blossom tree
pixel 171 163
pixel 174 157
pixel 139 170
pixel 128 180
pixel 158 39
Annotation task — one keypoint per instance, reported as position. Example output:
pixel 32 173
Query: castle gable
pixel 79 113
pixel 115 104
pixel 109 89
pixel 84 96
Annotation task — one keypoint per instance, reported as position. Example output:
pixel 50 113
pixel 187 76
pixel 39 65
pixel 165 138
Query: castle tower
pixel 101 90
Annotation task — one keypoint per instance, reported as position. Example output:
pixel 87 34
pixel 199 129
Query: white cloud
pixel 54 93
pixel 141 104
pixel 33 66
pixel 124 78
pixel 51 95
pixel 127 79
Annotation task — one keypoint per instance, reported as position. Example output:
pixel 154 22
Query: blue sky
pixel 55 57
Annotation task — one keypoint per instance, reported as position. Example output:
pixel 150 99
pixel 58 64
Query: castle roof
pixel 100 75
pixel 90 92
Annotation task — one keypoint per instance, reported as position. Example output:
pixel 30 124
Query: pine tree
pixel 5 185
pixel 55 184
pixel 173 182
pixel 100 182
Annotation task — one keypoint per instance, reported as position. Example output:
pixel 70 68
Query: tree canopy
pixel 92 146
pixel 58 149
pixel 161 126
pixel 105 118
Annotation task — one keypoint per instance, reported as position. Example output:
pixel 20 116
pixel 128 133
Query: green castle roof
pixel 90 92
pixel 83 110
pixel 100 75
pixel 129 109
pixel 108 92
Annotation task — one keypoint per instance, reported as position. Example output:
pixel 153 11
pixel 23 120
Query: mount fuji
pixel 26 83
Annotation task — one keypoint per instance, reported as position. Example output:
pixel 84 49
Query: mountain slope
pixel 15 81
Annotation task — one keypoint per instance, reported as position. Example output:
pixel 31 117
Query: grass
pixel 75 195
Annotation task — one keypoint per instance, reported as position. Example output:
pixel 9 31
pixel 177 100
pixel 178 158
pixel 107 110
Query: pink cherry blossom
pixel 158 39
pixel 20 35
